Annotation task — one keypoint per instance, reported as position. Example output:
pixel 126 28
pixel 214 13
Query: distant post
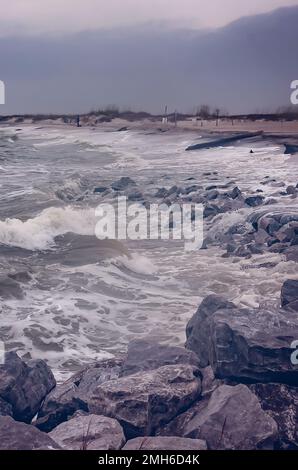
pixel 165 118
pixel 217 117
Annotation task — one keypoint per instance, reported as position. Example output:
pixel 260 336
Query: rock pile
pixel 233 387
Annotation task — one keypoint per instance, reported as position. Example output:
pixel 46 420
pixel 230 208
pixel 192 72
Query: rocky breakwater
pixel 233 387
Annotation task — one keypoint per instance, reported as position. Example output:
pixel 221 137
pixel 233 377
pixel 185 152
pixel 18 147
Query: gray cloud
pixel 36 16
pixel 245 66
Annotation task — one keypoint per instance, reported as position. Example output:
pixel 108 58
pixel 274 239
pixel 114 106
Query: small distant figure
pixel 251 151
pixel 78 121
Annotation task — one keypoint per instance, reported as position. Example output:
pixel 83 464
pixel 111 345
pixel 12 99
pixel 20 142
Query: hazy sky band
pixel 36 16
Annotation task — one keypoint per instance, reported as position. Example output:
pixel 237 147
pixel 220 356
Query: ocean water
pixel 78 299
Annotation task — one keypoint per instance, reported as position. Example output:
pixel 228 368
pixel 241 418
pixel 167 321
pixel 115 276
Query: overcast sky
pixel 36 16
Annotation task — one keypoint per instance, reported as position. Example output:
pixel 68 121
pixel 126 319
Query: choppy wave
pixel 40 232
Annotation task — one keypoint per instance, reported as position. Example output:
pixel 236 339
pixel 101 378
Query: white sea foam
pixel 39 233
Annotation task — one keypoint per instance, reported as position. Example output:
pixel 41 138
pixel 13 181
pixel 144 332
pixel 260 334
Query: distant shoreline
pixel 280 131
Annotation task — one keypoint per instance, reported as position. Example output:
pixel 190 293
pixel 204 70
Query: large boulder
pixel 165 443
pixel 281 403
pixel 233 419
pixel 20 436
pixel 246 345
pixel 89 432
pixel 198 328
pixel 73 395
pixel 145 355
pixel 145 401
pixel 254 201
pixel 289 294
pixel 177 425
pixel 24 385
pixel 5 408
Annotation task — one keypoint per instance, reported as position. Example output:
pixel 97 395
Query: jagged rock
pixel 24 385
pixel 291 190
pixel 20 436
pixel 173 190
pixel 269 224
pixel 89 432
pixel 123 183
pixel 73 395
pixel 233 419
pixel 209 382
pixel 289 294
pixel 143 355
pixel 287 232
pixel 177 425
pixel 236 192
pixel 100 189
pixel 145 401
pixel 5 408
pixel 192 189
pixel 254 201
pixel 211 211
pixel 250 345
pixel 281 403
pixel 211 195
pixel 161 193
pixel 197 329
pixel 165 443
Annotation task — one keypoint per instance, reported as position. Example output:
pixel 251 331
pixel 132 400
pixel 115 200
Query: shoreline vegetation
pixel 281 123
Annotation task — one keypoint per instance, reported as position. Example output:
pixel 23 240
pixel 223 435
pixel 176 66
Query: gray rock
pixel 192 189
pixel 161 193
pixel 177 425
pixel 211 210
pixel 233 420
pixel 5 408
pixel 143 355
pixel 287 232
pixel 123 183
pixel 198 329
pixel 211 195
pixel 165 443
pixel 173 190
pixel 248 345
pixel 209 382
pixel 20 436
pixel 100 189
pixel 145 401
pixel 73 395
pixel 281 403
pixel 289 294
pixel 236 192
pixel 24 385
pixel 89 432
pixel 254 201
pixel 291 190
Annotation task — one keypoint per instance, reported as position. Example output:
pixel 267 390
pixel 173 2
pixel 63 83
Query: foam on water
pixel 40 232
pixel 79 306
